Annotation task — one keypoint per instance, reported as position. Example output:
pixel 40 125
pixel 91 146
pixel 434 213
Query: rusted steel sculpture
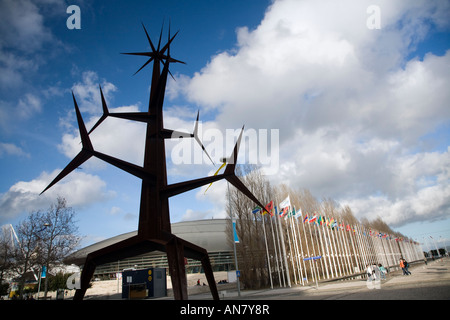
pixel 154 230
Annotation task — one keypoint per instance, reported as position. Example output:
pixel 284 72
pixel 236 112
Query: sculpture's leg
pixel 86 275
pixel 206 264
pixel 175 257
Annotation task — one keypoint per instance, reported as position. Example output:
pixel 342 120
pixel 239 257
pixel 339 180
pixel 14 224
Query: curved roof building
pixel 208 234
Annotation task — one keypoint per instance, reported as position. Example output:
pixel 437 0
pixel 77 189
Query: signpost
pixel 313 259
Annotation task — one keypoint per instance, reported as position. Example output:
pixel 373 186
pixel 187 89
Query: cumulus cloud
pixel 214 195
pixel 26 44
pixel 79 189
pixel 116 137
pixel 87 92
pixel 352 110
pixel 11 149
pixel 23 33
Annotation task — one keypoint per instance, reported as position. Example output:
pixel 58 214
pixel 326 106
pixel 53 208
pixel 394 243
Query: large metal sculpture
pixel 154 229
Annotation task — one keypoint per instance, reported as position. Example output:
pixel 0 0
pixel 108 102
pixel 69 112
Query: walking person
pixel 382 271
pixel 369 272
pixel 403 265
pixel 369 281
pixel 406 266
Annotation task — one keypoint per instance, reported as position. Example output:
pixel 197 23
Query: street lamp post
pixel 234 242
pixel 40 273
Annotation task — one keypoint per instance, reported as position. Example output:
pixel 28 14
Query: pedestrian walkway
pixel 427 282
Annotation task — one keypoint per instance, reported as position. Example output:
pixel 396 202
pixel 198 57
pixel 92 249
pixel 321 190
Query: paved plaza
pixel 427 282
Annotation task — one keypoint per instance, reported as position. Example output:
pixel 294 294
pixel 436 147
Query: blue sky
pixel 362 113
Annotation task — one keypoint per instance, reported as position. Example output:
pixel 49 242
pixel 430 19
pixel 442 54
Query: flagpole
pixel 339 248
pixel 330 247
pixel 307 247
pixel 391 254
pixel 305 277
pixel 320 247
pixel 326 240
pixel 360 241
pixel 276 251
pixel 285 207
pixel 291 234
pixel 342 247
pixel 314 265
pixel 364 246
pixel 333 233
pixel 234 243
pixel 283 246
pixel 355 250
pixel 368 246
pixel 291 251
pixel 347 250
pixel 323 249
pixel 349 253
pixel 298 245
pixel 280 253
pixel 295 243
pixel 383 245
pixel 267 252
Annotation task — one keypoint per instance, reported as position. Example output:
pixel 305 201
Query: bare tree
pixel 45 239
pixel 251 248
pixel 59 235
pixel 26 254
pixel 332 237
pixel 6 251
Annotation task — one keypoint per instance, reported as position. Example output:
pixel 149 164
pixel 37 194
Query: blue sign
pixel 44 272
pixel 312 258
pixel 238 273
pixel 236 239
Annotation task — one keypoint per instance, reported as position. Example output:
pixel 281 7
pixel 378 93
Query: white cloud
pixel 22 26
pixel 28 105
pixel 26 44
pixel 78 188
pixel 350 108
pixel 116 137
pixel 12 149
pixel 87 92
pixel 23 35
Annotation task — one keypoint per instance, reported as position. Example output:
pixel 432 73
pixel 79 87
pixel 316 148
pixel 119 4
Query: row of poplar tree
pixel 279 251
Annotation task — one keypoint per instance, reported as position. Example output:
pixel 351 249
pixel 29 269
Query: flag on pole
pixel 313 219
pixel 269 208
pixel 285 203
pixel 306 219
pixel 292 212
pixel 256 209
pixel 236 239
pixel 284 211
pixel 320 220
pixel 331 223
